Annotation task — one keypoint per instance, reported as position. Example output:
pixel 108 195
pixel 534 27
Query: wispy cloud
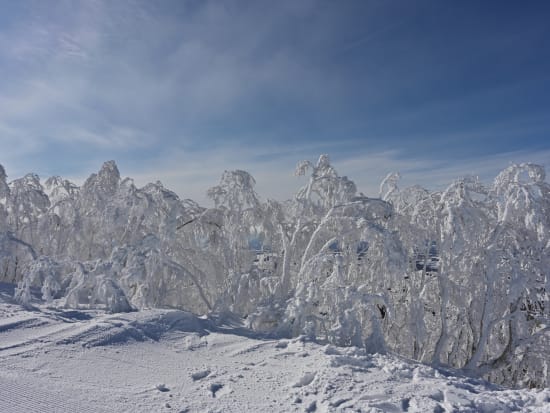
pixel 180 91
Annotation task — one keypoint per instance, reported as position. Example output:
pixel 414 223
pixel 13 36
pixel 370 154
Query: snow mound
pixel 306 379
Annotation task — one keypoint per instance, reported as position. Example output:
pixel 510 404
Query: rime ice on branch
pixel 458 277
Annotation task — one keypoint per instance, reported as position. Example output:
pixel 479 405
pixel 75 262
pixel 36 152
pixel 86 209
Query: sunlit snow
pixel 60 360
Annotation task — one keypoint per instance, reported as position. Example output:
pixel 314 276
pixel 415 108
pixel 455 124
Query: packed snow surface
pixel 54 360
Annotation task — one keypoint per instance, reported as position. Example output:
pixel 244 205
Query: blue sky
pixel 181 90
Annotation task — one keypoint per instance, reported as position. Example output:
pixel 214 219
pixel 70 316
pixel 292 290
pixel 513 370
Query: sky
pixel 179 91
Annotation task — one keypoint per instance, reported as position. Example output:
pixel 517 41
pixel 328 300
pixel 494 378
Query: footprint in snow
pixel 199 375
pixel 218 389
pixel 162 387
pixel 338 402
pixel 311 407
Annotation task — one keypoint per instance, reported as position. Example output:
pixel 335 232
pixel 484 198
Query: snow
pixel 156 360
pixel 458 277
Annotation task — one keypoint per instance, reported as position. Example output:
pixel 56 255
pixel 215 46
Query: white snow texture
pixel 66 361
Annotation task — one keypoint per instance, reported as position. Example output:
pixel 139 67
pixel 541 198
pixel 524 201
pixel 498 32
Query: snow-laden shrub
pixel 95 287
pixel 457 277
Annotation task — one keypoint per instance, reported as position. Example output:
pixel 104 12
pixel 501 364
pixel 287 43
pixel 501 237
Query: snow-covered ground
pixel 55 360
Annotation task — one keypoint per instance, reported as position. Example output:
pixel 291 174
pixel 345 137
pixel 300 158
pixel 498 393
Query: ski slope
pixel 55 360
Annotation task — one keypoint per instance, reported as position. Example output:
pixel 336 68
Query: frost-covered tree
pixel 458 277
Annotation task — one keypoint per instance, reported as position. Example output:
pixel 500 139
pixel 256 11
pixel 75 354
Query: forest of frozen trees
pixel 459 277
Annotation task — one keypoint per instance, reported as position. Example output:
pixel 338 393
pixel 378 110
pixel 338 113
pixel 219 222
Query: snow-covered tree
pixel 457 277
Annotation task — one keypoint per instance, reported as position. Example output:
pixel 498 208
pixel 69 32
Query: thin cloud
pixel 114 137
pixel 181 91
